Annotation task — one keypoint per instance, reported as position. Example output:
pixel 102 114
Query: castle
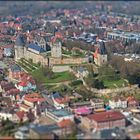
pixel 44 50
pixel 100 55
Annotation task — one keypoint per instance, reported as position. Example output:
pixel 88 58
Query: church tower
pixel 19 47
pixel 56 48
pixel 100 55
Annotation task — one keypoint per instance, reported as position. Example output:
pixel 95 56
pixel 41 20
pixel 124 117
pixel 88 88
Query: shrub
pixel 76 82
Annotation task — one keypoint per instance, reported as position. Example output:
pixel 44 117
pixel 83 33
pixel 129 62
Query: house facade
pixel 59 114
pixel 118 103
pixel 104 120
pixel 97 103
pixel 59 101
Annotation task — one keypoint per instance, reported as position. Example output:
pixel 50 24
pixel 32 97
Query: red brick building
pixel 104 120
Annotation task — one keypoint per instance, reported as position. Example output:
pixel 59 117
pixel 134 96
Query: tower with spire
pixel 19 47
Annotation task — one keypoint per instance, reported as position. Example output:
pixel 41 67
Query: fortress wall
pixel 44 61
pixel 74 60
pixel 35 57
pixel 67 60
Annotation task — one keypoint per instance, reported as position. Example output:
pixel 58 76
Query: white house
pixel 5 115
pixel 118 103
pixel 59 101
pixel 59 114
pixel 128 59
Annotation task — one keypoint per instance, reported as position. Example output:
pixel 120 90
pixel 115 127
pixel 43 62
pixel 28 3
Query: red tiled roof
pixel 20 114
pixel 65 123
pixel 96 53
pixel 34 97
pixel 13 91
pixel 59 35
pixel 106 116
pixel 61 100
pixel 130 98
pixel 26 77
pixel 24 84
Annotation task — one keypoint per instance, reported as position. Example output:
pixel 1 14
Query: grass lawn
pixel 61 76
pixel 31 64
pixel 114 84
pixel 28 69
pixel 58 77
pixel 49 86
pixel 28 66
pixel 77 54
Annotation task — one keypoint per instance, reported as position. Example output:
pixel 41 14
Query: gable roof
pixel 65 123
pixel 23 84
pixel 13 91
pixel 20 40
pixel 58 98
pixel 106 116
pixel 20 114
pixel 34 97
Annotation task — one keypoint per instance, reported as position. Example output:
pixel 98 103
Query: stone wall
pixel 35 57
pixel 51 60
pixel 74 60
pixel 60 68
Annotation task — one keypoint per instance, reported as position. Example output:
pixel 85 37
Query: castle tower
pixel 19 47
pixel 56 48
pixel 100 55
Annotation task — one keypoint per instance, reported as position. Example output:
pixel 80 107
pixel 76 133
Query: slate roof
pixel 36 47
pixel 20 41
pixel 81 69
pixel 60 112
pixel 114 133
pixel 15 68
pixel 102 49
pixel 43 129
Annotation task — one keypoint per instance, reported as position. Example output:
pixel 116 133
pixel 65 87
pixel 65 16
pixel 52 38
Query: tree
pixel 106 72
pixel 94 82
pixel 47 72
pixel 128 70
